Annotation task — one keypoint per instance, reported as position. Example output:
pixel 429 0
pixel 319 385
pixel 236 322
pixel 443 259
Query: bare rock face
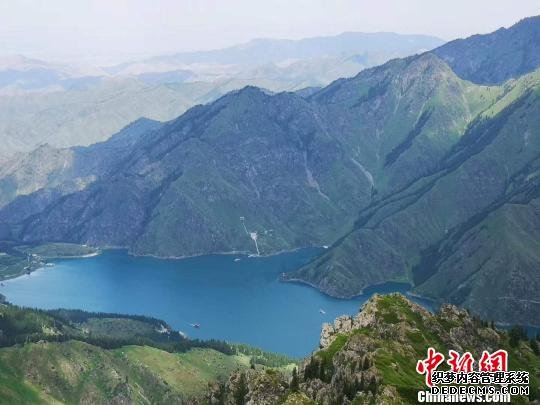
pixel 251 387
pixel 342 324
pixel 327 333
pixel 346 323
pixel 265 388
pixel 462 331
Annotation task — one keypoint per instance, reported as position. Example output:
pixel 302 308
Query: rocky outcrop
pixel 371 357
pixel 250 387
pixel 366 317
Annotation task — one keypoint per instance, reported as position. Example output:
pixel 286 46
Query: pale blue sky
pixel 107 31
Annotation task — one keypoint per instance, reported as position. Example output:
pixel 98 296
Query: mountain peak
pixel 532 20
pixel 245 93
pixel 495 57
pixel 371 315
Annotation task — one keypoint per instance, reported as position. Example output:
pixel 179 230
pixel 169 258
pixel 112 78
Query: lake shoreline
pixel 25 262
pixel 362 291
pixel 100 250
pixel 225 253
pixel 87 255
pixel 281 278
pixel 227 298
pixel 241 301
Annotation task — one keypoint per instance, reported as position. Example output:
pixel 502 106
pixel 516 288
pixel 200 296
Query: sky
pixel 112 31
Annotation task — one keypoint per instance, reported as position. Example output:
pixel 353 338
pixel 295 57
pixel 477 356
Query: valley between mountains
pixel 425 169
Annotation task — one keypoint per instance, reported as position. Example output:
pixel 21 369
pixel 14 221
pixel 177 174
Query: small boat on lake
pixel 237 259
pixel 195 325
pixel 322 311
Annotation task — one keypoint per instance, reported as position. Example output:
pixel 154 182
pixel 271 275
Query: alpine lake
pixel 233 297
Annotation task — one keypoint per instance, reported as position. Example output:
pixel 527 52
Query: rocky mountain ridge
pixel 496 57
pixel 371 357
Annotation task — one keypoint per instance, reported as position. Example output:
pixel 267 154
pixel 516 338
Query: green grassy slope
pixel 76 372
pixel 190 372
pixel 72 356
pixel 493 164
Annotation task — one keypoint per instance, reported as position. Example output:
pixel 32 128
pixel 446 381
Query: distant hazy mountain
pixel 262 51
pixel 83 117
pixel 18 73
pixel 299 63
pixel 496 57
pixel 63 106
pixel 69 118
pixel 66 169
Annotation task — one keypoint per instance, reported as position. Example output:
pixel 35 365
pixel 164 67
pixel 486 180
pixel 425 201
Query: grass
pixel 14 263
pixel 188 373
pixel 13 390
pixel 12 266
pixel 327 355
pixel 264 358
pixel 297 398
pixel 76 372
pixel 398 370
pixel 58 250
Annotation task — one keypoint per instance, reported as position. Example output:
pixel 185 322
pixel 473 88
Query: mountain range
pixel 63 105
pixel 415 170
pixel 371 48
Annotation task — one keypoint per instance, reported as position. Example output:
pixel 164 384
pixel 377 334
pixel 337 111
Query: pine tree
pixel 295 385
pixel 360 384
pixel 221 394
pixel 516 334
pixel 357 385
pixel 367 363
pixel 373 386
pixel 320 372
pixel 309 370
pixel 349 389
pixel 535 346
pixel 241 390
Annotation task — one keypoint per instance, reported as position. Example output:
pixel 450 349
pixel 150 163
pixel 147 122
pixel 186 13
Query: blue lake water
pixel 238 301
